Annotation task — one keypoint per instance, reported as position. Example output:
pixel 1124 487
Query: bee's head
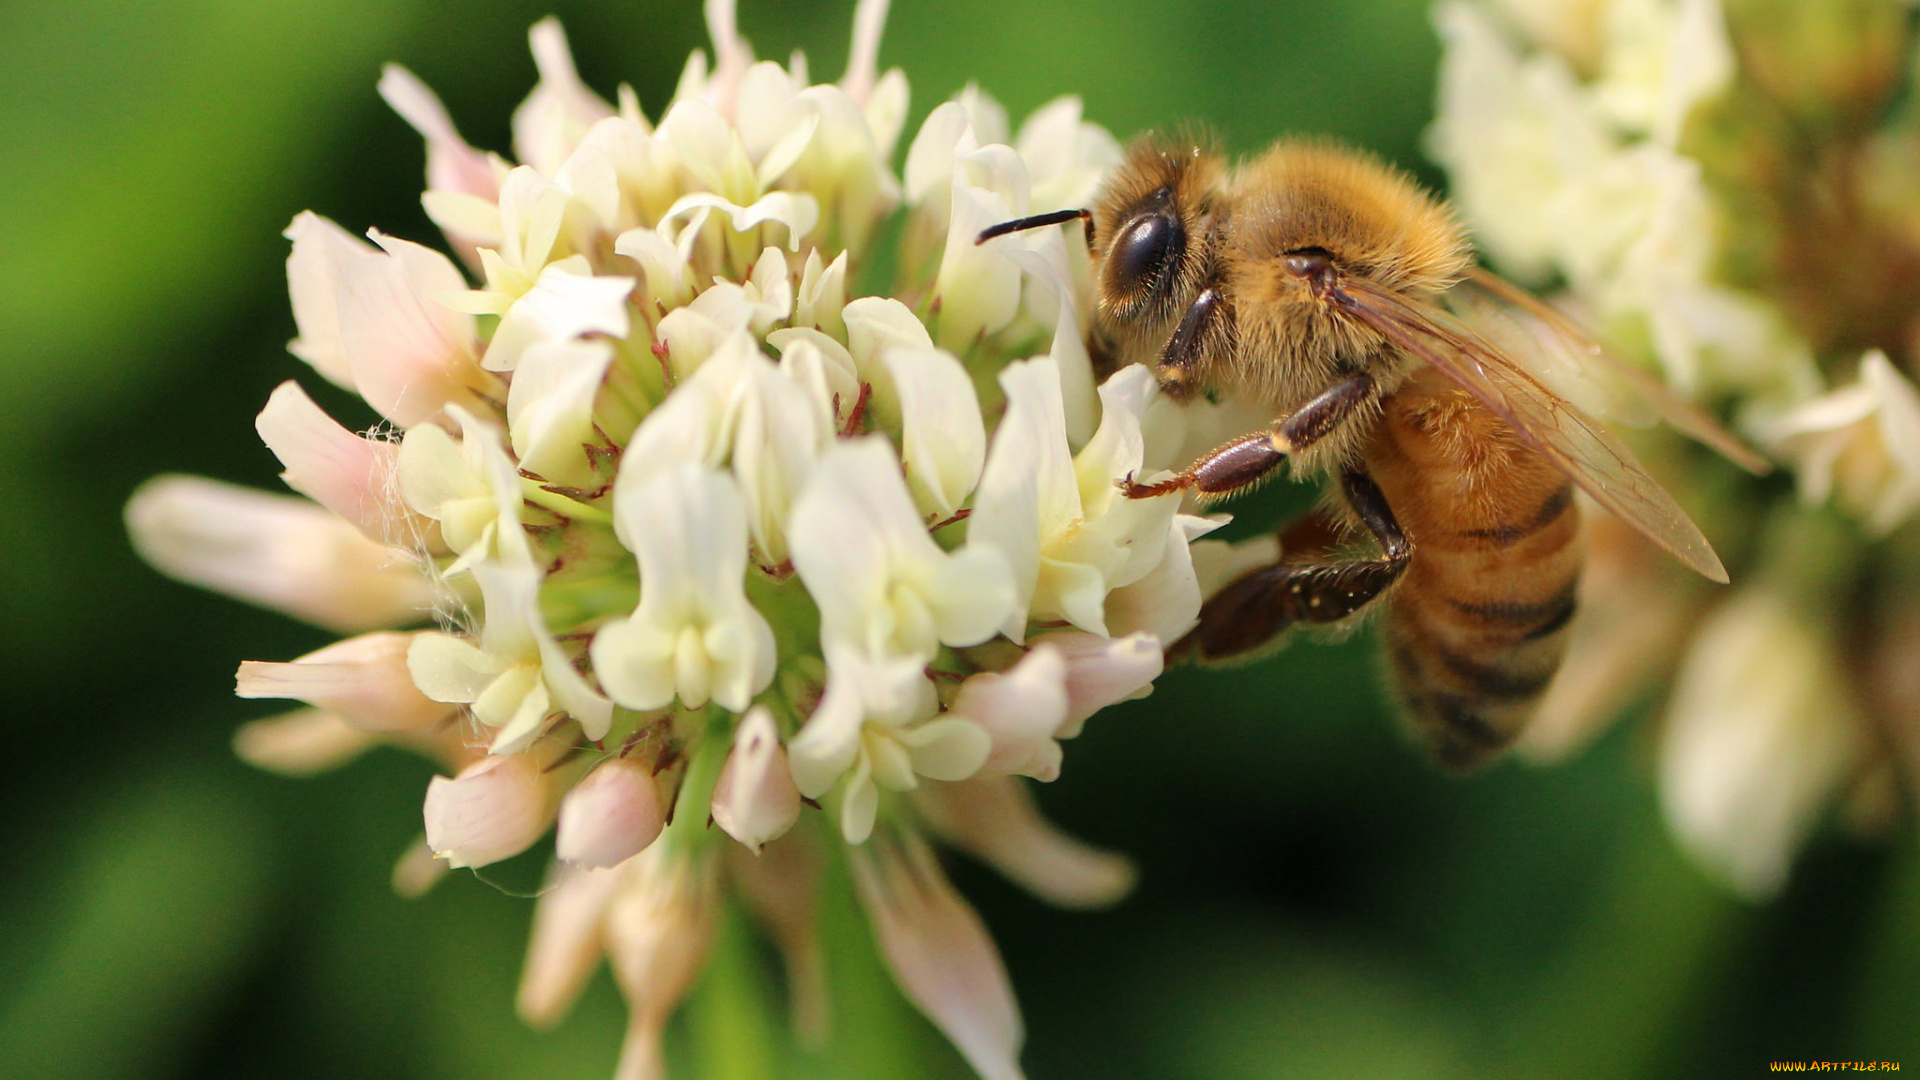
pixel 1150 232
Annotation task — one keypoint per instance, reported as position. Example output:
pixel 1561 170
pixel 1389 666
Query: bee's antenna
pixel 1037 221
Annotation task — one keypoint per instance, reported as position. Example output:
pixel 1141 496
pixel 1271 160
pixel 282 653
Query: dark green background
pixel 1316 901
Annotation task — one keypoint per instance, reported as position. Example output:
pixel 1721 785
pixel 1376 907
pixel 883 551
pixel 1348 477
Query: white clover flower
pixel 1858 444
pixel 704 532
pixel 694 636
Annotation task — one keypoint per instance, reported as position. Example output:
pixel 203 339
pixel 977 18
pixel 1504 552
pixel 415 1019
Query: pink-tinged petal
pixel 556 116
pixel 611 815
pixel 300 743
pixel 349 475
pixel 659 930
pixel 410 354
pixel 568 934
pixel 995 820
pixel 495 809
pixel 863 59
pixel 731 56
pixel 276 551
pixel 1021 709
pixel 363 680
pixel 780 886
pixel 452 165
pixel 1104 671
pixel 417 871
pixel 755 801
pixel 940 953
pixel 320 250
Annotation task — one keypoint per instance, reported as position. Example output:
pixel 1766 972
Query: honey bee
pixel 1330 288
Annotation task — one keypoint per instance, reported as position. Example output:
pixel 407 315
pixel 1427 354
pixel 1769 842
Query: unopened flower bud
pixel 755 800
pixel 610 816
pixel 495 809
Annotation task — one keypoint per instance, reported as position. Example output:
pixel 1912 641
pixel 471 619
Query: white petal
pixel 941 954
pixel 1028 484
pixel 929 168
pixel 1067 158
pixel 865 555
pixel 1166 602
pixel 995 820
pixel 276 551
pixel 300 743
pixel 1044 255
pixel 550 408
pixel 451 669
pixel 950 748
pixel 364 681
pixel 978 287
pixel 1760 734
pixel 560 306
pixel 611 815
pixel 689 532
pixel 495 809
pixel 943 440
pixel 516 627
pixel 797 212
pixel 825 747
pixel 823 293
pixel 886 111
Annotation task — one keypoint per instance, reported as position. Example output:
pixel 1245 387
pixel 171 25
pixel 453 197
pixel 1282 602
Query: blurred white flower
pixel 1858 444
pixel 1760 731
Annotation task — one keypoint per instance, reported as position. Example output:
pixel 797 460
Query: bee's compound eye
pixel 1143 250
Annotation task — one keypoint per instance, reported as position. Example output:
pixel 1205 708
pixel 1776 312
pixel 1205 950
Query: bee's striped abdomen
pixel 1477 628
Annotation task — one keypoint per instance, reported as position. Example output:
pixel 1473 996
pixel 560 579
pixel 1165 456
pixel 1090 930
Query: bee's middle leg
pixel 1251 458
pixel 1256 607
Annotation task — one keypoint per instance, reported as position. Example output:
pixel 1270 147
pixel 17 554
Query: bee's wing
pixel 1574 364
pixel 1581 448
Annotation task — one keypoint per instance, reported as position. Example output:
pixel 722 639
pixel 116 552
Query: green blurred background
pixel 1316 900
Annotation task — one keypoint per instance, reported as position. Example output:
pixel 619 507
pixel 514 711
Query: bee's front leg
pixel 1251 458
pixel 1254 608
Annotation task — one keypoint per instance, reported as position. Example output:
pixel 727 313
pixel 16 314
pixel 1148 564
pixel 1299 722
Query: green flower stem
pixel 709 753
pixel 736 1033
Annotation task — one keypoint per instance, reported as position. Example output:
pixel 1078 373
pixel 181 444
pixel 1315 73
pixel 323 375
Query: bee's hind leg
pixel 1306 585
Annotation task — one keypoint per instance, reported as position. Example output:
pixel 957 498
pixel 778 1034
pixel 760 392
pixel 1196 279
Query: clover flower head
pixel 665 522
